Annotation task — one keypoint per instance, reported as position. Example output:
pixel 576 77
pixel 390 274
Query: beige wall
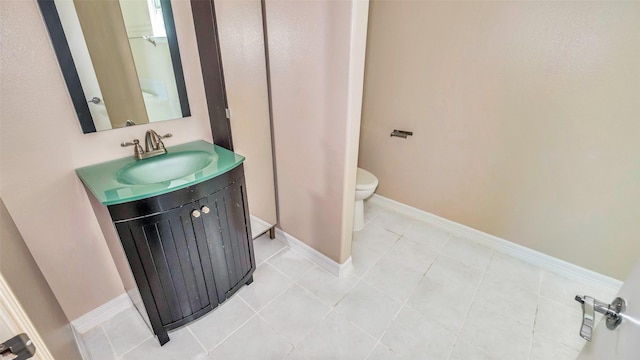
pixel 245 76
pixel 314 94
pixel 42 143
pixel 32 291
pixel 525 119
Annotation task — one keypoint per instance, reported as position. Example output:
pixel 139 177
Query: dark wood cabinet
pixel 189 250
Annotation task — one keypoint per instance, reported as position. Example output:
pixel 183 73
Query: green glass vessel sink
pixel 167 167
pixel 127 179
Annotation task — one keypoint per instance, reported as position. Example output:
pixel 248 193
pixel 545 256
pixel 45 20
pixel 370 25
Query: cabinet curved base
pixel 163 336
pixel 188 250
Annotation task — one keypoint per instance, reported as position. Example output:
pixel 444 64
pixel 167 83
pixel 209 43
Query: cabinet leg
pixel 272 233
pixel 163 338
pixel 249 281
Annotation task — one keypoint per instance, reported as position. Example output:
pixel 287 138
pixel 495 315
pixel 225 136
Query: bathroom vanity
pixel 183 222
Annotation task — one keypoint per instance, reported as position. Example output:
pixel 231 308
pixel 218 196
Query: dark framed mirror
pixel 120 60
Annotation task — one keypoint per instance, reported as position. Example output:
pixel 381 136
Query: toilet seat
pixel 365 180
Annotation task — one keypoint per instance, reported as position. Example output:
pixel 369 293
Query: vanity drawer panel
pixel 165 202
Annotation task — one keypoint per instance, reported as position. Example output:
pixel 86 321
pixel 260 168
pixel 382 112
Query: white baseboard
pixel 537 258
pixel 102 313
pixel 82 347
pixel 136 300
pixel 313 255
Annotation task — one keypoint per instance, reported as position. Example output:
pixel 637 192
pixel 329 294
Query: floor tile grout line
pixel 287 276
pixel 332 309
pixel 404 304
pixel 366 283
pixel 269 302
pixel 275 331
pixel 330 274
pixel 352 323
pixel 368 221
pixel 113 349
pixel 422 275
pixel 135 347
pixel 284 246
pixel 324 317
pixel 475 295
pixel 438 252
pixel 385 252
pixel 231 333
pixel 293 282
pixel 197 339
pixel 535 318
pixel 466 317
pixel 121 356
pixel 457 335
pixel 315 296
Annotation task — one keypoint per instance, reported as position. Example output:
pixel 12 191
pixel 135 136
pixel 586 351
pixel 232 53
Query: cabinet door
pixel 170 264
pixel 228 237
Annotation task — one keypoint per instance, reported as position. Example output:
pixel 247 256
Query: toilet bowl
pixel 366 184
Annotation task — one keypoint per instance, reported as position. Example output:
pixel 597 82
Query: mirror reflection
pixel 126 58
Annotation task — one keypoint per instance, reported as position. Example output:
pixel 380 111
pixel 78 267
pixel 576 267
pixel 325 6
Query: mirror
pixel 120 60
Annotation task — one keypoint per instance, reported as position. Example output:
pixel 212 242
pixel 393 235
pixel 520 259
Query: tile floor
pixel 416 292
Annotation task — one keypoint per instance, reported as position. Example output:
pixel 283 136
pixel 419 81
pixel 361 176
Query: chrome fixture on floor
pixel 610 311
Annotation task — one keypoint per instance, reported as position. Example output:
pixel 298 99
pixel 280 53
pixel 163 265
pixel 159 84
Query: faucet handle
pixel 588 315
pixel 137 151
pixel 130 143
pixel 160 143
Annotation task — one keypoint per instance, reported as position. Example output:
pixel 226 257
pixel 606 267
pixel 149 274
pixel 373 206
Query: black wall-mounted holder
pixel 401 133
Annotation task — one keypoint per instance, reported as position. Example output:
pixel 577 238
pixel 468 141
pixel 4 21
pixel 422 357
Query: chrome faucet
pixel 152 141
pixel 153 145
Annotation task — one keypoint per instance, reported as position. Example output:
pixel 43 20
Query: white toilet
pixel 366 184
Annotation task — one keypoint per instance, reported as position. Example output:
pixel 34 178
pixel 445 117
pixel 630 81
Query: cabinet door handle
pixel 205 209
pixel 195 213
